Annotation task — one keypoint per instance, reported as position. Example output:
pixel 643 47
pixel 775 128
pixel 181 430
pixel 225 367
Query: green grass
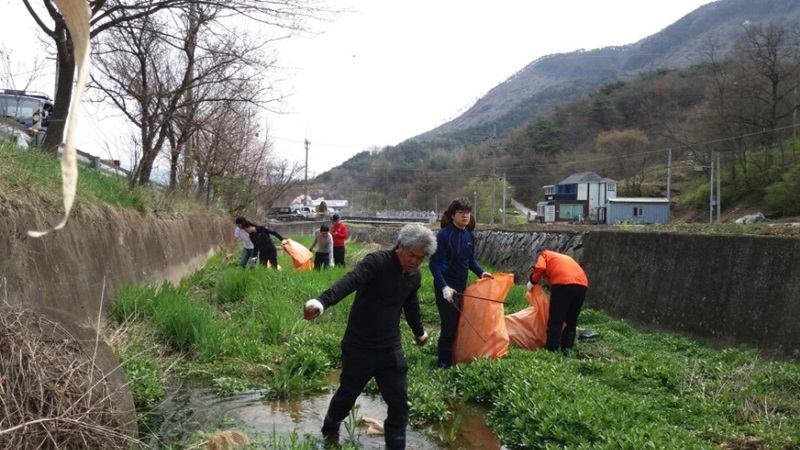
pixel 631 389
pixel 35 176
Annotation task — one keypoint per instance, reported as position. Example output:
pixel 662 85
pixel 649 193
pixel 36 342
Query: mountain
pixel 558 78
pixel 615 111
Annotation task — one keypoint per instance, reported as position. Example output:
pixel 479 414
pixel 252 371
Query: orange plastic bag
pixel 481 327
pixel 528 328
pixel 302 258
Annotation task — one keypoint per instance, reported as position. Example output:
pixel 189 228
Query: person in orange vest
pixel 568 287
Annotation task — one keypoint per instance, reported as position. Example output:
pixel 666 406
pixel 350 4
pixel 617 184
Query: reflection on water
pixel 196 408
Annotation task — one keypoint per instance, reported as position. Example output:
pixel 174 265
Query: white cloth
pixel 244 236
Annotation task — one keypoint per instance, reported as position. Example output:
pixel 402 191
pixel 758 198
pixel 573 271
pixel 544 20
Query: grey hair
pixel 417 235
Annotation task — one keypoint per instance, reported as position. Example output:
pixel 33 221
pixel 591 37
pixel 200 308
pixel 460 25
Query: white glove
pixel 530 285
pixel 313 309
pixel 487 275
pixel 285 242
pixel 422 340
pixel 447 293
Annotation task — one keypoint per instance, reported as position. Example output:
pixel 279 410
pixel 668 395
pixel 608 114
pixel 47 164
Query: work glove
pixel 312 309
pixel 228 256
pixel 447 293
pixel 422 340
pixel 487 275
pixel 285 242
pixel 530 285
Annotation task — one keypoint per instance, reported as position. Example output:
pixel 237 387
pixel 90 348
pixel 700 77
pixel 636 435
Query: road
pixel 523 209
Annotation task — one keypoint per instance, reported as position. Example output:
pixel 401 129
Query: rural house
pixel 580 196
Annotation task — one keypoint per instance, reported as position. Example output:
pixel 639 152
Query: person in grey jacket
pixel 386 283
pixel 324 243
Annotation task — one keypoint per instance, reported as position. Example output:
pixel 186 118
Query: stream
pixel 195 408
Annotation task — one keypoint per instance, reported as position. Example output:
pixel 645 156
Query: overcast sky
pixel 391 70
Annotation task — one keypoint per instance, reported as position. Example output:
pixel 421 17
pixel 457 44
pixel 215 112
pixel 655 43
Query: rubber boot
pixel 567 340
pixel 329 427
pixel 395 438
pixel 445 357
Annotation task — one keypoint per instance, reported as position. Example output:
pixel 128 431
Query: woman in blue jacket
pixel 454 257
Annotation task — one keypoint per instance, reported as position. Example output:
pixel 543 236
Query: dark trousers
pixel 389 368
pixel 270 255
pixel 338 256
pixel 320 260
pixel 566 301
pixel 448 315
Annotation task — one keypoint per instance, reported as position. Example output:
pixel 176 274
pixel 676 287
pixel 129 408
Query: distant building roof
pixel 639 200
pixel 585 177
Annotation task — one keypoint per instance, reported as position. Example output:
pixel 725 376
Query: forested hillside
pixel 737 103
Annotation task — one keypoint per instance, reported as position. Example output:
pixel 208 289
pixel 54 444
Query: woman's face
pixel 461 218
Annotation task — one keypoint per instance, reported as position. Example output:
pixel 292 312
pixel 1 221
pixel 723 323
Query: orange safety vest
pixel 559 269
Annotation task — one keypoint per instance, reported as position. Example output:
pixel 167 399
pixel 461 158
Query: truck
pixel 292 213
pixel 31 110
pixel 306 212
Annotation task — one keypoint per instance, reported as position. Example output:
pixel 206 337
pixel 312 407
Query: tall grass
pixel 630 389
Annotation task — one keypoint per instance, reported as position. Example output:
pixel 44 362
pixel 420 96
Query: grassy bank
pixel 631 389
pixel 35 176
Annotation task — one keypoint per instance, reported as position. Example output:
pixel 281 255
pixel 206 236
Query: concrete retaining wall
pixel 725 290
pixel 76 268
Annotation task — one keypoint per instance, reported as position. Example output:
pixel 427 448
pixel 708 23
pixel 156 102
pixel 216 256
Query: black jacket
pixel 382 292
pixel 261 240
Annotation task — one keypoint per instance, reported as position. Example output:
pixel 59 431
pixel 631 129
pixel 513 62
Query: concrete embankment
pixel 725 290
pixel 82 265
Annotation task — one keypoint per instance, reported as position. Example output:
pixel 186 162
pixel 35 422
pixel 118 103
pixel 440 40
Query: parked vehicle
pixel 29 109
pixel 306 212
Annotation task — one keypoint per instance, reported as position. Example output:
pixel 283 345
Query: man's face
pixel 411 258
pixel 461 218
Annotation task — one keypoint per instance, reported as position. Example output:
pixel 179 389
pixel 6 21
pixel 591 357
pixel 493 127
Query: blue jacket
pixel 455 255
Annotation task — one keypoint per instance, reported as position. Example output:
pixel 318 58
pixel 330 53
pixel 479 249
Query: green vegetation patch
pixel 243 329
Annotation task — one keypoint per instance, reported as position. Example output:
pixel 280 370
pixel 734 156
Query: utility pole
pixel 719 187
pixel 669 183
pixel 305 184
pixel 491 217
pixel 494 151
pixel 711 194
pixel 504 198
pixel 475 205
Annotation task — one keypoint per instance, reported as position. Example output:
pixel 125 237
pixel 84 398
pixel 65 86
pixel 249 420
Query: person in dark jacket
pixel 262 242
pixel 568 287
pixel 386 283
pixel 450 266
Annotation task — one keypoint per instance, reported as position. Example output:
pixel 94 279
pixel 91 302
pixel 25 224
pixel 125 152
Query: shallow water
pixel 196 408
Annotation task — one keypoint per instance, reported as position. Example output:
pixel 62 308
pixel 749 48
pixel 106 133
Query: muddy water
pixel 193 409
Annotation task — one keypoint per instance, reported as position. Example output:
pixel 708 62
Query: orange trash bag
pixel 302 258
pixel 481 327
pixel 528 328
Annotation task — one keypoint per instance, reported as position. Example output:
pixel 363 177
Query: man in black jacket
pixel 385 282
pixel 262 242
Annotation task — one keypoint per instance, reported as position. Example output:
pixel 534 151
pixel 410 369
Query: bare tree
pixel 287 17
pixel 627 150
pixel 161 71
